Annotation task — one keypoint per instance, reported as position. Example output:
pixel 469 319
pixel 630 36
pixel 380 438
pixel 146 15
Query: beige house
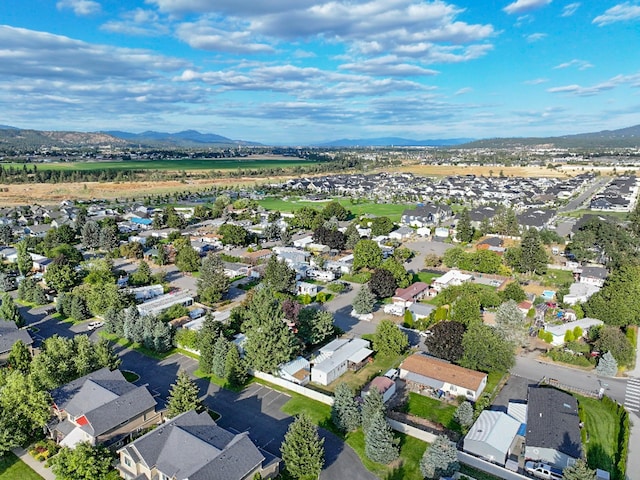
pixel 429 374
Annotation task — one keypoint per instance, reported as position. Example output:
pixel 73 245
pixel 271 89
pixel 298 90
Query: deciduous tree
pixel 366 254
pixel 510 322
pixel 83 462
pixel 382 283
pixel 486 350
pixel 389 340
pixel 445 341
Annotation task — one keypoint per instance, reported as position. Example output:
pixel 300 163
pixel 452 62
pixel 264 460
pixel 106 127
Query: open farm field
pixel 178 164
pixel 484 170
pixel 49 193
pixel 393 211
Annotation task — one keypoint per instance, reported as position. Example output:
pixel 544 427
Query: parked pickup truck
pixel 543 471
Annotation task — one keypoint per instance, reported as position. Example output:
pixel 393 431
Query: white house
pixel 452 277
pixel 296 371
pixel 161 303
pixel 304 288
pixel 303 241
pixel 401 233
pixel 336 357
pixel 558 331
pixel 385 385
pixel 423 372
pixel 580 292
pixel 491 436
pixel 147 292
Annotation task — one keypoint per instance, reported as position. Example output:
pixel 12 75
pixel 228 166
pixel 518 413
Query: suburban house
pixel 100 408
pixel 421 310
pixel 384 385
pixel 235 269
pixel 426 215
pixel 297 371
pixel 558 331
pixel 580 292
pixel 304 288
pixel 404 297
pixel 337 356
pixel 402 233
pixel 591 275
pixel 492 436
pixel 452 277
pixel 9 335
pixel 423 372
pixel 192 446
pixel 147 292
pixel 161 303
pixel 553 427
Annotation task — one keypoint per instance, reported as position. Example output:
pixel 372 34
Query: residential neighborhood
pixel 198 340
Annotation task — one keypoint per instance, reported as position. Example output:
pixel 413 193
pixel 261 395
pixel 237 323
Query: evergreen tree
pixel 7 282
pixel 372 405
pixel 235 368
pixel 90 234
pixel 510 322
pixel 302 449
pixel 364 300
pixel 579 471
pixel 9 311
pixel 162 258
pixel 279 276
pixel 315 325
pixel 105 356
pixel 464 415
pixel 108 239
pixel 79 310
pixel 183 396
pixel 607 365
pixel 24 261
pixel 213 282
pixel 114 321
pixel 352 236
pixel 379 444
pixel 270 342
pixel 464 230
pixel 207 337
pixel 162 336
pixel 345 413
pixel 20 357
pixel 440 459
pixel 219 360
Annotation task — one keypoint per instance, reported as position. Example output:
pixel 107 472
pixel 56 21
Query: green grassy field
pixel 432 409
pixel 169 164
pixel 393 211
pixel 12 468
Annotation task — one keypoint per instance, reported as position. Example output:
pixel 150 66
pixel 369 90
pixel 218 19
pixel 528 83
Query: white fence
pixel 307 392
pixel 488 467
pixel 411 431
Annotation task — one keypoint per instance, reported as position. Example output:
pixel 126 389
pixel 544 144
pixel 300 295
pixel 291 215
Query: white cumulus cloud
pixel 82 8
pixel 521 6
pixel 622 12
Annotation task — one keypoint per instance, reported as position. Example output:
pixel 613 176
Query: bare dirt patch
pixel 482 170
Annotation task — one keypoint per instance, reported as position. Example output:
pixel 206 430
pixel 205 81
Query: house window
pixel 470 393
pixel 453 388
pixel 127 461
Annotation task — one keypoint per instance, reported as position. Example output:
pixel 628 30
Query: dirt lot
pixel 48 193
pixel 486 171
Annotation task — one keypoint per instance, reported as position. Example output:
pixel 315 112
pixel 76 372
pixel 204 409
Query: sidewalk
pixel 35 465
pixel 633 456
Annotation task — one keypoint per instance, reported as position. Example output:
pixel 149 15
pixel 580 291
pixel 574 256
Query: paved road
pixel 535 370
pixel 257 409
pixel 577 202
pixel 341 307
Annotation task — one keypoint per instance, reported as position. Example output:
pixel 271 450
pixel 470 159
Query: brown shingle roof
pixel 411 291
pixel 445 372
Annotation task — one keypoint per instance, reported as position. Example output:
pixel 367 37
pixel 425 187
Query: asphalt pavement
pixel 577 202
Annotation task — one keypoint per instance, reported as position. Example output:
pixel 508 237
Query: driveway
pixel 257 410
pixel 341 307
pixel 422 249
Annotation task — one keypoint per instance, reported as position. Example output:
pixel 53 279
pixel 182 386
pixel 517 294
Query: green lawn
pixel 130 376
pixel 12 468
pixel 600 434
pixel 425 277
pixel 557 278
pixel 362 277
pixel 221 382
pixel 432 409
pixel 581 213
pixel 357 380
pixel 393 211
pixel 136 346
pixel 493 379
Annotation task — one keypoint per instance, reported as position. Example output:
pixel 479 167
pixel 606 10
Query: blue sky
pixel 303 71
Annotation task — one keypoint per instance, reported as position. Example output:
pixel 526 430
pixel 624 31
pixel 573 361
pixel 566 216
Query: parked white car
pixel 94 325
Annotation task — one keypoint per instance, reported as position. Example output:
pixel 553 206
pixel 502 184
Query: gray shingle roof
pixel 105 398
pixel 10 334
pixel 553 421
pixel 192 446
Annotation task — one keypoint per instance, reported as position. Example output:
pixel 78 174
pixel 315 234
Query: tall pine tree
pixel 440 459
pixel 207 337
pixel 183 396
pixel 373 404
pixel 379 444
pixel 345 413
pixel 464 230
pixel 302 449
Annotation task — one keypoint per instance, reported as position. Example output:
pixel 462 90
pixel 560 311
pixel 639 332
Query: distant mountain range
pixel 394 142
pixel 621 138
pixel 11 137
